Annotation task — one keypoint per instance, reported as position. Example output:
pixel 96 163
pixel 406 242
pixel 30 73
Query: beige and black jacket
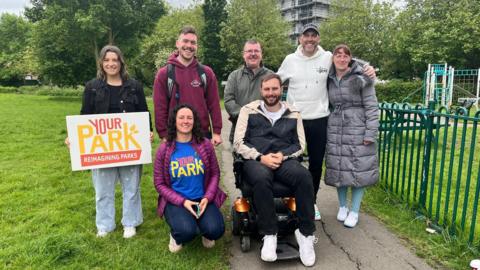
pixel 257 135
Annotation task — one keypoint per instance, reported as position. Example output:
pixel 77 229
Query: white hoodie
pixel 307 89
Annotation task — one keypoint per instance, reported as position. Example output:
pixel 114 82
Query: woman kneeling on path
pixel 113 92
pixel 352 132
pixel 186 176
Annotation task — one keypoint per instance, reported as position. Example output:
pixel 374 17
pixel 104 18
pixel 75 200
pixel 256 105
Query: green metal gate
pixel 431 160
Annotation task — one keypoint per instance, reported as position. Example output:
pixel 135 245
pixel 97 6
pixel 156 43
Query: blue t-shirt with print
pixel 187 171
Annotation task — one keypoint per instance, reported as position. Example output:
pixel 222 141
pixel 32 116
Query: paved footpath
pixel 368 246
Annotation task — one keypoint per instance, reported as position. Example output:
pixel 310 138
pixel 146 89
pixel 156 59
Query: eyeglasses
pixel 252 51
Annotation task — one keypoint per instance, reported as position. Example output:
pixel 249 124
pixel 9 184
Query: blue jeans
pixel 104 183
pixel 357 194
pixel 184 226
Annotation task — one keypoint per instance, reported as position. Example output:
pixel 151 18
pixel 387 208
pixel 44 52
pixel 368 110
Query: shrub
pixel 8 89
pixel 56 91
pixel 399 91
pixel 148 91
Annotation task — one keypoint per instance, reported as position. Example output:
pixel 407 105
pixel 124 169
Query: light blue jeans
pixel 357 194
pixel 104 183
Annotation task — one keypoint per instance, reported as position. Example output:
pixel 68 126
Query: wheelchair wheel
pixel 235 222
pixel 245 243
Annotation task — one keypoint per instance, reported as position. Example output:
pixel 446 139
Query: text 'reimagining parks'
pixel 109 140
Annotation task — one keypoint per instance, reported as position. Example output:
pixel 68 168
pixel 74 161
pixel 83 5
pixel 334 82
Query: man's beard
pixel 273 103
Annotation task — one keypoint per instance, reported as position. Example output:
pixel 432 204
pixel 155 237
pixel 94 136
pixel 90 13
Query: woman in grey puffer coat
pixel 351 134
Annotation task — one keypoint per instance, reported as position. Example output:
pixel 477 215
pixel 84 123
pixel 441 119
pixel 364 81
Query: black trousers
pixel 316 137
pixel 291 173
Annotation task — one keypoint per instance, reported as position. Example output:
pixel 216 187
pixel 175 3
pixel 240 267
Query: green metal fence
pixel 430 158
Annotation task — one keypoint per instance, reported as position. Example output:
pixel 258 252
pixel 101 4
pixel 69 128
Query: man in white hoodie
pixel 306 71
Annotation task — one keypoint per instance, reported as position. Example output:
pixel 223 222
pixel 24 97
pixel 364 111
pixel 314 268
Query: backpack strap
pixel 171 82
pixel 203 77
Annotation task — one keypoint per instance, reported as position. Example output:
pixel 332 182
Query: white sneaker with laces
pixel 101 233
pixel 306 249
pixel 351 220
pixel 129 232
pixel 173 246
pixel 207 243
pixel 269 249
pixel 317 213
pixel 342 213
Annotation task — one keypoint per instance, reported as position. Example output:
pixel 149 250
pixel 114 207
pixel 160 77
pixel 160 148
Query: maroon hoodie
pixel 191 91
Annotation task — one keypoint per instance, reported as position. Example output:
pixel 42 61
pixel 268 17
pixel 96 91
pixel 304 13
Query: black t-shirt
pixel 114 98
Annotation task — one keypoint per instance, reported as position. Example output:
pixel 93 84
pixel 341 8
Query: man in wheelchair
pixel 269 136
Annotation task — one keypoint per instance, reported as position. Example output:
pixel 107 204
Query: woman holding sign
pixel 186 176
pixel 113 92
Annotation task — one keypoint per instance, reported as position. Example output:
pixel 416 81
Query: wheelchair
pixel 244 216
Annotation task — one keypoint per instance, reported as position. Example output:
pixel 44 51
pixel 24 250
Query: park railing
pixel 430 159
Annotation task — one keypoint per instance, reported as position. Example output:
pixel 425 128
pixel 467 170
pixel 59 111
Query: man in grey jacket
pixel 243 83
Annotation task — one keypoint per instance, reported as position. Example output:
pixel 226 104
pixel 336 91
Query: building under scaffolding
pixel 301 12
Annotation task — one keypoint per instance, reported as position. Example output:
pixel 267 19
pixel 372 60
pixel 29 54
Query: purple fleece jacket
pixel 162 182
pixel 191 91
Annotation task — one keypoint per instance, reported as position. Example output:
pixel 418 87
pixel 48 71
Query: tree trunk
pixel 95 49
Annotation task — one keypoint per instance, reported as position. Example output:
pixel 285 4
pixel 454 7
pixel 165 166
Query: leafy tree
pixel 156 47
pixel 438 31
pixel 16 59
pixel 214 14
pixel 70 33
pixel 365 26
pixel 258 19
pixel 402 42
pixel 35 12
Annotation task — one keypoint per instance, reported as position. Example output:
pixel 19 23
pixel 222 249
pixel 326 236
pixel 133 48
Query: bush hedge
pixel 52 90
pixel 390 91
pixel 399 91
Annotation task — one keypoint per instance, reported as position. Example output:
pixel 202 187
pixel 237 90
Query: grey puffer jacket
pixel 354 119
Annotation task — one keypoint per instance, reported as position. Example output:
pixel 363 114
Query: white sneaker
pixel 342 213
pixel 101 233
pixel 305 244
pixel 129 232
pixel 351 220
pixel 317 213
pixel 269 249
pixel 207 243
pixel 173 246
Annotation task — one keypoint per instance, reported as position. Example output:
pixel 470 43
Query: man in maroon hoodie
pixel 188 87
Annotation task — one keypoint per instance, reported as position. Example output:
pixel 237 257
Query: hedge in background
pixel 391 91
pixel 399 91
pixel 52 90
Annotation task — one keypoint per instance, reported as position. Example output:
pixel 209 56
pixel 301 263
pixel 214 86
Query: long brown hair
pixel 103 52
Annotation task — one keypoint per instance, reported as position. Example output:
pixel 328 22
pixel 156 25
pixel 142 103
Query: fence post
pixel 426 152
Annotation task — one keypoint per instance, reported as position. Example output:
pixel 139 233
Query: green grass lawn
pixel 47 212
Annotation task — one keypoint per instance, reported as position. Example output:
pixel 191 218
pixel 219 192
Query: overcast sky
pixel 16 6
